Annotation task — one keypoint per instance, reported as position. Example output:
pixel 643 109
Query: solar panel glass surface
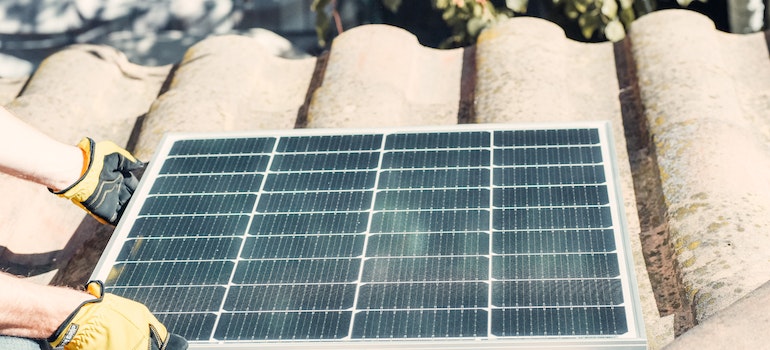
pixel 491 234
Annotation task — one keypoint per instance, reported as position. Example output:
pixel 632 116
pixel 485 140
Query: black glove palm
pixel 107 184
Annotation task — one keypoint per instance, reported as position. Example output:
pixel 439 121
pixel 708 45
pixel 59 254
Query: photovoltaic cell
pixel 166 299
pixel 420 324
pixel 498 234
pixel 222 146
pixel 180 249
pixel 304 246
pixel 334 143
pixel 325 161
pixel 215 164
pixel 319 181
pixel 291 297
pixel 434 178
pixel 181 226
pixel 232 183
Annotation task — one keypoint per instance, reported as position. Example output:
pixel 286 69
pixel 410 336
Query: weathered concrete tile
pixel 88 91
pixel 10 88
pixel 380 75
pixel 742 325
pixel 529 72
pixel 706 97
pixel 228 83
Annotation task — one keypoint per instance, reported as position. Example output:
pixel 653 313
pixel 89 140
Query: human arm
pixel 29 154
pixel 80 320
pixel 31 310
pixel 96 176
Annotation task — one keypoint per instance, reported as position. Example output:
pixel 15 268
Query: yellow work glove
pixel 107 183
pixel 110 322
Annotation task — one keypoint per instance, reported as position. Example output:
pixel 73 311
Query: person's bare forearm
pixel 31 310
pixel 31 155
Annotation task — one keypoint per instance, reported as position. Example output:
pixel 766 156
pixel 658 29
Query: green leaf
pixel 478 9
pixel 614 31
pixel 588 24
pixel 519 6
pixel 627 16
pixel 453 41
pixel 322 20
pixel 610 8
pixel 475 26
pixel 570 11
pixel 441 4
pixel 626 4
pixel 319 4
pixel 581 5
pixel 392 5
pixel 449 13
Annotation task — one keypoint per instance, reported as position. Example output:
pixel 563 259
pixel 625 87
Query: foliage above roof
pixel 597 19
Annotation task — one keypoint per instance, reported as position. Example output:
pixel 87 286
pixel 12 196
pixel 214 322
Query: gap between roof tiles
pixel 767 39
pixel 10 88
pixel 315 82
pixel 466 113
pixel 658 250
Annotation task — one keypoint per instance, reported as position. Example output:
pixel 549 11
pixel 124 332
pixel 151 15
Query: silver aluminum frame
pixel 635 338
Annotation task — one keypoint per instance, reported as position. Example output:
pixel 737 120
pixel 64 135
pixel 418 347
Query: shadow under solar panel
pixel 497 235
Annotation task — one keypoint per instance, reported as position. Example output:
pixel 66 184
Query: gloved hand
pixel 107 184
pixel 110 322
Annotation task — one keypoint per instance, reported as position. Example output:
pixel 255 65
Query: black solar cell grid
pixel 405 235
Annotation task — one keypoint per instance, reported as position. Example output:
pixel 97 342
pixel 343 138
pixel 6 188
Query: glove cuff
pixel 66 330
pixel 86 145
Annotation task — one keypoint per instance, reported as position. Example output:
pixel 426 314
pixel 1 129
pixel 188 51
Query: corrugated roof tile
pixel 706 98
pixel 369 84
pixel 10 88
pixel 529 71
pixel 741 325
pixel 227 83
pixel 88 90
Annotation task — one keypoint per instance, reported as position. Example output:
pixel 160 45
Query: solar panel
pixel 481 236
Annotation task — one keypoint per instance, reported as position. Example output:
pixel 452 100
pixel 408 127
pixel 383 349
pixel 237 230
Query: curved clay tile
pixel 705 95
pixel 228 83
pixel 88 90
pixel 379 75
pixel 10 88
pixel 529 71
